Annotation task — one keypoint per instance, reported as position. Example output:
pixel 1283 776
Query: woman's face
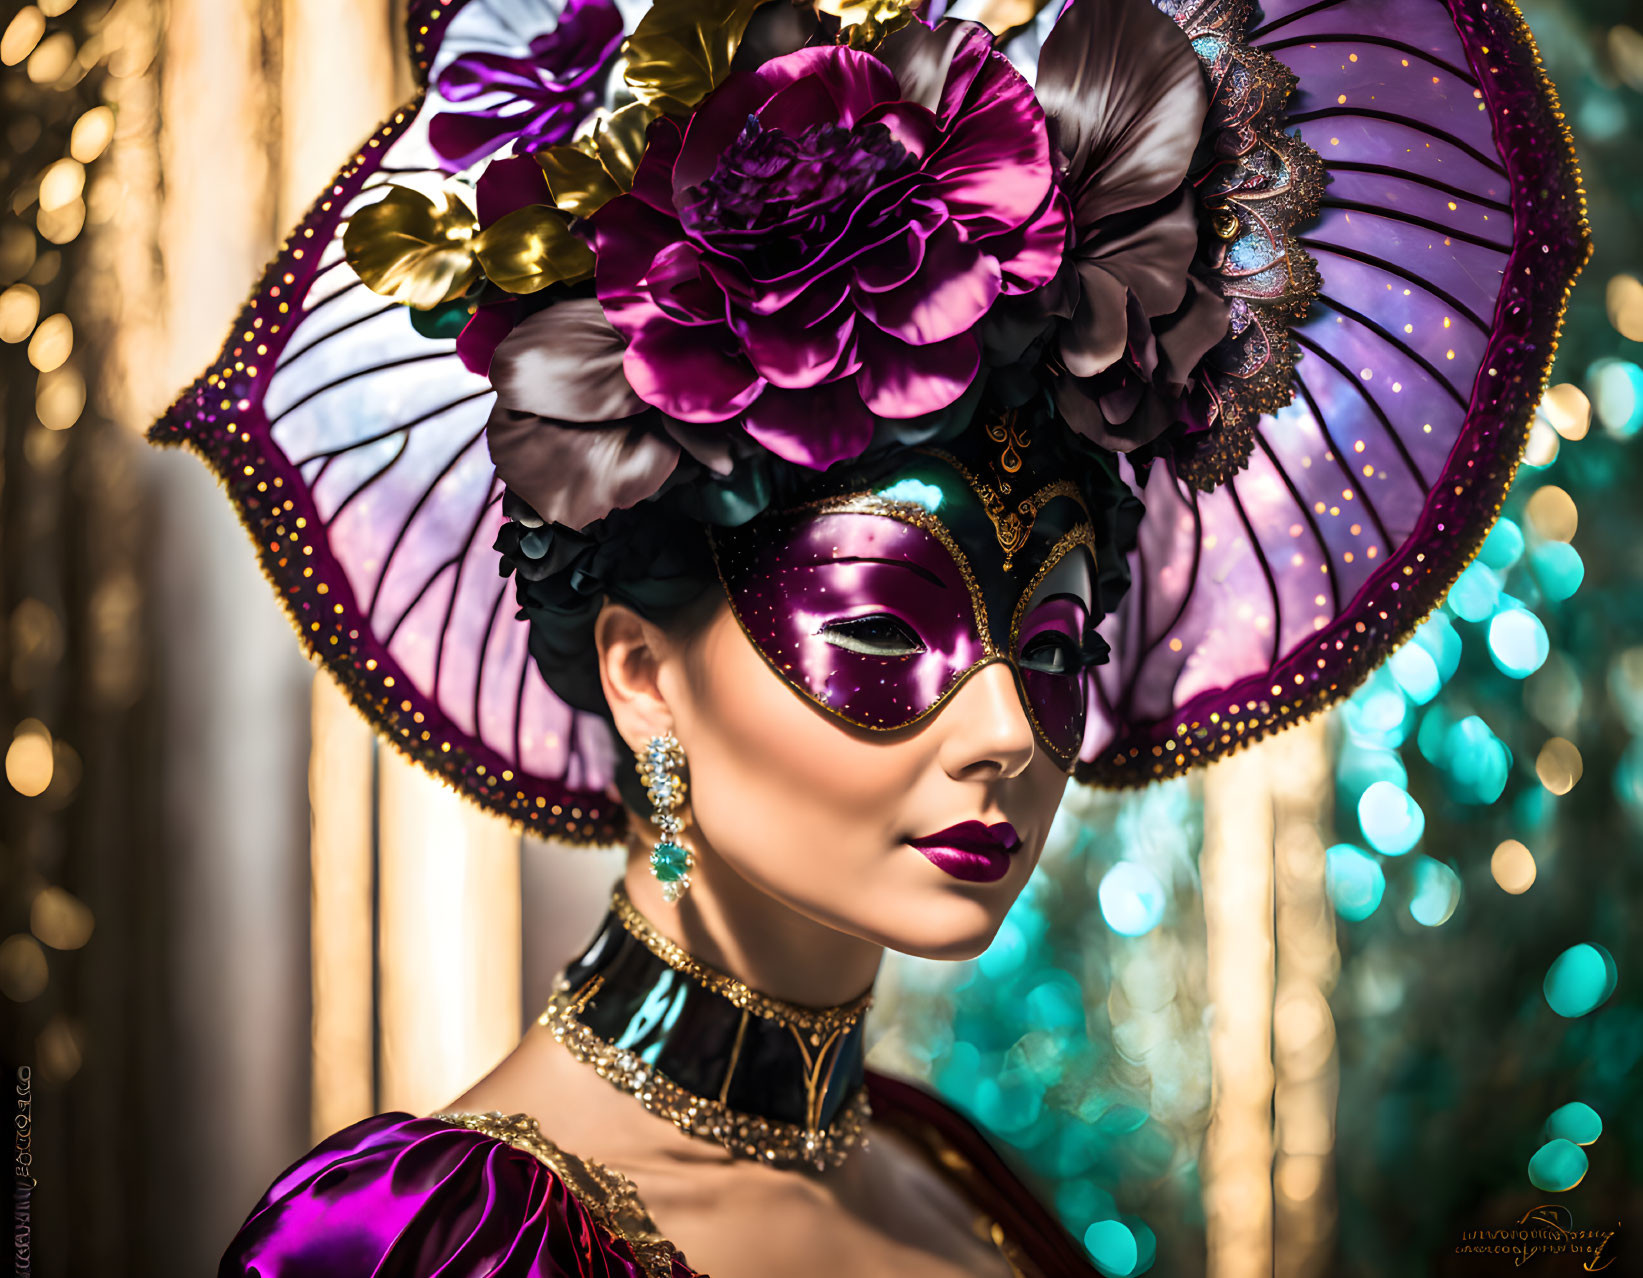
pixel 880 721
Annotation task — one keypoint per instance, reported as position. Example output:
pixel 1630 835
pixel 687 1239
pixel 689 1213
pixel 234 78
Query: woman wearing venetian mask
pixel 809 369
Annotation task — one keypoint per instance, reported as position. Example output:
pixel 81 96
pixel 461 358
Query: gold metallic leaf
pixel 578 182
pixel 412 248
pixel 619 141
pixel 863 23
pixel 599 165
pixel 681 50
pixel 530 249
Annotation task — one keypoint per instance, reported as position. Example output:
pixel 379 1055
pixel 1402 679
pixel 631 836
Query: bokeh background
pixel 1320 1011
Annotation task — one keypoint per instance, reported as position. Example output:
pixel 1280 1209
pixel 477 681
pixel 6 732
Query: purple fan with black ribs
pixel 353 445
pixel 1448 236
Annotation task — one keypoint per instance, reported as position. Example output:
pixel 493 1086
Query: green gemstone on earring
pixel 669 861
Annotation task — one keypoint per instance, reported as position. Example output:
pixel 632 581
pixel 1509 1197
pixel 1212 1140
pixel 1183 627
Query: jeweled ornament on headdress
pixel 1293 274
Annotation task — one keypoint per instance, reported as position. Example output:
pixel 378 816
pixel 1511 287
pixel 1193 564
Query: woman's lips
pixel 971 851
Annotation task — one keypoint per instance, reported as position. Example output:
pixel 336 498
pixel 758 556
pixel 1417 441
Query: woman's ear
pixel 631 650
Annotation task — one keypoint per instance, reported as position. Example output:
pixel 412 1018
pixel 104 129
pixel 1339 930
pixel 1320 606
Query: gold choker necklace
pixel 767 1080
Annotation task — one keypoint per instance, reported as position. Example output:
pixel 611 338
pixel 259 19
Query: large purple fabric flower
pixel 543 96
pixel 817 248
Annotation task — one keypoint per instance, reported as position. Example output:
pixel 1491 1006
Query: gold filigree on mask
pixel 414 248
pixel 864 23
pixel 1012 522
pixel 681 51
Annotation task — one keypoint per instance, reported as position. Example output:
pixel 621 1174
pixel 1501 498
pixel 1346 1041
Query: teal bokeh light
pixel 1476 760
pixel 1416 673
pixel 1558 1165
pixel 1378 713
pixel 1355 880
pixel 1390 818
pixel 1437 893
pixel 1132 899
pixel 1576 1122
pixel 915 492
pixel 1580 979
pixel 1616 389
pixel 1503 547
pixel 1517 642
pixel 1475 593
pixel 1558 569
pixel 1437 635
pixel 1113 1247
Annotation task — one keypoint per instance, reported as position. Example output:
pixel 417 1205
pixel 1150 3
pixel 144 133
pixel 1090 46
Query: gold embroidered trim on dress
pixel 606 1195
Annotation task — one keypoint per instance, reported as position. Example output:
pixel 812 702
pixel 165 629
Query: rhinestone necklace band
pixel 766 1079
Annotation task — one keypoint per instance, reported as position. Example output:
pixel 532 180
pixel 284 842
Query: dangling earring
pixel 660 770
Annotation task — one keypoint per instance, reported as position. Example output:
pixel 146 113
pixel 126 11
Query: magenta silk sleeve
pixel 396 1196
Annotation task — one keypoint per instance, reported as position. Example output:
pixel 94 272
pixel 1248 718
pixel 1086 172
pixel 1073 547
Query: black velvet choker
pixel 766 1079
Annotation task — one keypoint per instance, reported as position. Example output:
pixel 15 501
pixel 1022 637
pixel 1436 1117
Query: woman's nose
pixel 986 732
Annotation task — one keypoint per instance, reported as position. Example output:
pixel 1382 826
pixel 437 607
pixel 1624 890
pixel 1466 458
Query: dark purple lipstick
pixel 971 850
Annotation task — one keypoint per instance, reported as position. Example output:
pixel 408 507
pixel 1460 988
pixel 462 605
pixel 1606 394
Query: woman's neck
pixel 733 925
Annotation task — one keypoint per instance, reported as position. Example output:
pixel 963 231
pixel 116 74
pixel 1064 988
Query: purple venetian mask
pixel 877 603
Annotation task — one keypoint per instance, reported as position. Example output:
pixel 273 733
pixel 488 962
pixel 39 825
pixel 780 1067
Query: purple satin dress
pixel 397 1196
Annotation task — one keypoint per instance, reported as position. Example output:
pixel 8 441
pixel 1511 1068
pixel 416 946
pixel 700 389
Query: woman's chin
pixel 943 925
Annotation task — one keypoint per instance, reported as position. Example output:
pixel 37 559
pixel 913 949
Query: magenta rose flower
pixel 818 247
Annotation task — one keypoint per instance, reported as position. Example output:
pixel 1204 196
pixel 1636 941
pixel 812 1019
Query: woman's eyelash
pixel 879 635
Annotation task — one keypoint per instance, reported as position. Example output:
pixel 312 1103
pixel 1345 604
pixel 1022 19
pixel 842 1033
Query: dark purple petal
pixel 791 355
pixel 565 362
pixel 857 82
pixel 813 428
pixel 894 263
pixel 675 283
pixel 1093 339
pixel 477 342
pixel 1150 255
pixel 992 169
pixel 952 292
pixel 922 57
pixel 507 185
pixel 898 380
pixel 1030 256
pixel 1125 96
pixel 693 374
pixel 574 475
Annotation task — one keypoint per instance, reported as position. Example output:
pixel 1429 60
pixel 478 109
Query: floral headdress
pixel 684 265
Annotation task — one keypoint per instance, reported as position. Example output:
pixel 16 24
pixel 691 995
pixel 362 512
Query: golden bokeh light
pixel 19 309
pixel 61 184
pixel 29 759
pixel 1552 514
pixel 52 343
pixel 22 33
pixel 60 919
pixel 92 133
pixel 23 972
pixel 52 58
pixel 1568 409
pixel 62 225
pixel 1513 866
pixel 60 398
pixel 1543 444
pixel 1559 765
pixel 1624 301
